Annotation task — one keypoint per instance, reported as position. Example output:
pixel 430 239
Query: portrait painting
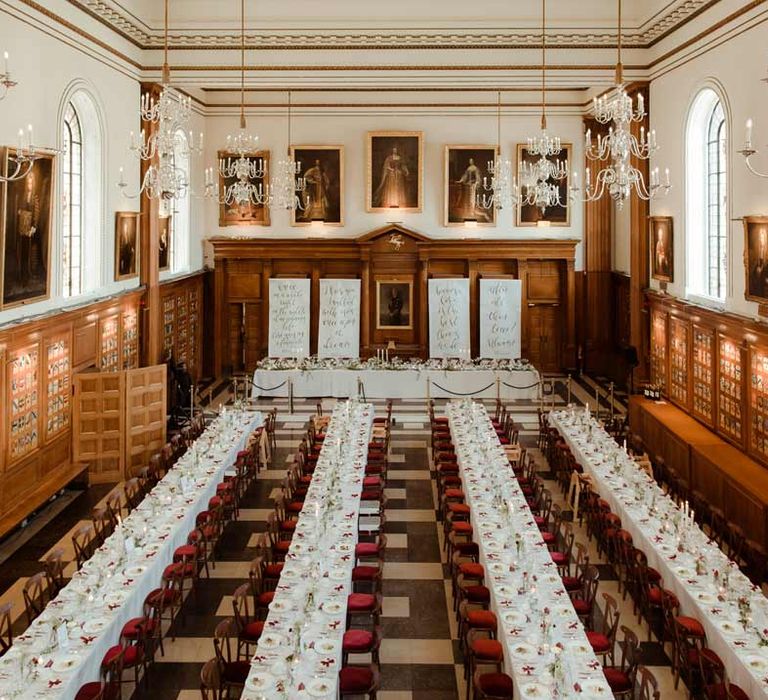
pixel 756 258
pixel 467 184
pixel 322 199
pixel 126 244
pixel 532 214
pixel 165 237
pixel 662 251
pixel 26 234
pixel 247 213
pixel 394 304
pixel 394 171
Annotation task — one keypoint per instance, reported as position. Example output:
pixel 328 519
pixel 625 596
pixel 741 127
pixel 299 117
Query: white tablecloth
pixel 398 384
pixel 527 593
pixel 299 651
pixel 643 508
pixel 118 580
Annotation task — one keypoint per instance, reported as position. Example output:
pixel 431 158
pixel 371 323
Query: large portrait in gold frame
pixel 322 168
pixel 756 258
pixel 662 248
pixel 465 178
pixel 249 214
pixel 394 171
pixel 126 244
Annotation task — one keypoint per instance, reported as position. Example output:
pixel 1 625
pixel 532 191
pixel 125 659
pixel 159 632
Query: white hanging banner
pixel 500 308
pixel 289 317
pixel 449 318
pixel 338 333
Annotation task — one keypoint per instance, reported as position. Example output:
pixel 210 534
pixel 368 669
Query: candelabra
pixel 498 189
pixel 749 150
pixel 21 161
pixel 287 184
pixel 244 168
pixel 6 82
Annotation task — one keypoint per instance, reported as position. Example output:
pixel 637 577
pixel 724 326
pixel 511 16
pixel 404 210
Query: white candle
pixel 749 132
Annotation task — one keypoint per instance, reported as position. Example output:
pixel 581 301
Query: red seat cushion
pixel 282 546
pixel 273 570
pixel 559 558
pixel 448 467
pixel 717 692
pixel 462 527
pixel 655 595
pixel 265 598
pixel 496 684
pixel 133 654
pixel 360 602
pixel 365 573
pixel 357 641
pixel 288 525
pixel 653 575
pixel 355 679
pixel 440 419
pixel 454 493
pixel 179 569
pixel 599 642
pixel 477 594
pixel 549 537
pixel 167 595
pixel 481 619
pixel 371 482
pixel 571 583
pixel 237 671
pixel 691 625
pixel 582 607
pixel 617 679
pixel 89 691
pixel 366 549
pixel 131 628
pixel 460 508
pixel 252 631
pixel 472 570
pixel 186 550
pixel 487 649
pixel 294 507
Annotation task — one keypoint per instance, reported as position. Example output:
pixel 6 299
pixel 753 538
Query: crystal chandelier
pixel 245 167
pixel 164 179
pixel 498 188
pixel 538 179
pixel 749 150
pixel 287 183
pixel 620 178
pixel 6 83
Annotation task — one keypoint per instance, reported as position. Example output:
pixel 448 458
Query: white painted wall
pixel 735 68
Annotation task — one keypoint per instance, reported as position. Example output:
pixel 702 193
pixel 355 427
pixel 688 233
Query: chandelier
pixel 167 142
pixel 246 167
pixel 6 83
pixel 748 151
pixel 498 188
pixel 619 178
pixel 538 179
pixel 287 183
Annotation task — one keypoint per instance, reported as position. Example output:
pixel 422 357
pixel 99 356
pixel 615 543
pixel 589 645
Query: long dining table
pixel 64 647
pixel 299 653
pixel 545 644
pixel 709 586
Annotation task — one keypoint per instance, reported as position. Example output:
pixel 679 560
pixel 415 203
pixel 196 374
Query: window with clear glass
pixel 72 204
pixel 716 216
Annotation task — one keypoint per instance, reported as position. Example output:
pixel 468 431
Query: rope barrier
pixel 512 386
pixel 459 393
pixel 274 388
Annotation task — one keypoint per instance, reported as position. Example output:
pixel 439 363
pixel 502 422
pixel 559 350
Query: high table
pixel 537 621
pixel 299 652
pixel 677 548
pixel 522 384
pixel 91 610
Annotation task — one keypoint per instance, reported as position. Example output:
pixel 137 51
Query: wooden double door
pixel 544 321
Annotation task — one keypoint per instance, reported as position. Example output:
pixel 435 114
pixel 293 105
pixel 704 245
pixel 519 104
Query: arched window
pixel 82 193
pixel 706 197
pixel 72 199
pixel 180 217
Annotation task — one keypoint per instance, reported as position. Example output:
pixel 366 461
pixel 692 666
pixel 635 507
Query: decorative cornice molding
pixel 214 39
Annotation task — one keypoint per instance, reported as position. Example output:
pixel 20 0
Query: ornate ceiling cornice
pixel 214 39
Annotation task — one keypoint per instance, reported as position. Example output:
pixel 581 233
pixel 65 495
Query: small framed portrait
pixel 26 207
pixel 394 304
pixel 756 258
pixel 662 250
pixel 533 215
pixel 249 213
pixel 126 244
pixel 466 178
pixel 322 169
pixel 395 168
pixel 165 238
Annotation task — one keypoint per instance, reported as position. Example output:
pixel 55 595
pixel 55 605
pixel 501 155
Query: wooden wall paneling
pixel 109 343
pixel 731 409
pixel 251 335
pixel 57 381
pixel 680 361
pixel 145 424
pixel 85 345
pixel 757 405
pixel 703 371
pixel 660 348
pixel 24 381
pixel 706 476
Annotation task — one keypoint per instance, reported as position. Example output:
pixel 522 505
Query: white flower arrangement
pixel 393 363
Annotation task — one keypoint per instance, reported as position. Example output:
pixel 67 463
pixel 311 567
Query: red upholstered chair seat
pixel 186 550
pixel 366 549
pixel 571 583
pixel 482 619
pixel 496 685
pixel 539 520
pixel 360 602
pixel 165 595
pixel 487 649
pixel 89 691
pixel 467 549
pixel 582 607
pixel 131 628
pixel 717 692
pixel 441 419
pixel 365 573
pixel 371 482
pixel 236 672
pixel 448 468
pixel 618 680
pixel 691 625
pixel 472 570
pixel 355 679
pixel 453 493
pixel 452 479
pixel 179 569
pixel 282 546
pixel 265 598
pixel 462 527
pixel 459 508
pixel 288 525
pixel 294 506
pixel 653 575
pixel 133 655
pixel 273 570
pixel 655 595
pixel 357 641
pixel 477 594
pixel 599 642
pixel 549 537
pixel 252 631
pixel 559 558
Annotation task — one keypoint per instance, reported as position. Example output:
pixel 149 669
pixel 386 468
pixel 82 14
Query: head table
pixel 709 586
pixel 398 379
pixel 299 653
pixel 64 646
pixel 546 651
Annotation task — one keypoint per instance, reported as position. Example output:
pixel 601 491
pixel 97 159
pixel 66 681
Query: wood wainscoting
pixel 244 266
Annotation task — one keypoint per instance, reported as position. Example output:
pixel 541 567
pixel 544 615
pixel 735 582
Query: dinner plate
pixel 319 687
pixel 65 663
pixel 757 664
pixel 134 571
pixel 339 574
pixel 522 650
pixel 706 598
pixel 271 640
pixel 279 606
pixel 260 681
pixel 728 627
pixel 534 690
pixel 595 688
pixel 513 617
pixel 506 591
pixel 116 597
pixel 326 647
pixel 95 624
pixel 332 608
pixel 685 572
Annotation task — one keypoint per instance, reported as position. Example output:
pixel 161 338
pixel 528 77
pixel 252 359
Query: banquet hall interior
pixel 404 350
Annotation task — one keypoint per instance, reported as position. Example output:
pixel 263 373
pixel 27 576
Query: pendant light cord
pixel 242 64
pixel 166 68
pixel 543 65
pixel 498 119
pixel 619 66
pixel 289 122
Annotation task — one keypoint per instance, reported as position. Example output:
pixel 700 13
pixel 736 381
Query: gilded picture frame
pixel 465 175
pixel 661 248
pixel 322 168
pixel 530 214
pixel 126 244
pixel 394 304
pixel 395 171
pixel 756 259
pixel 247 214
